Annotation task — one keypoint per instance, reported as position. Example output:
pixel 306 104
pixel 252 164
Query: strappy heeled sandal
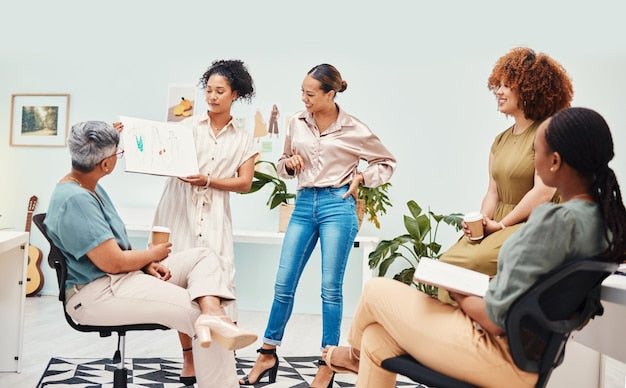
pixel 332 378
pixel 335 368
pixel 273 371
pixel 188 380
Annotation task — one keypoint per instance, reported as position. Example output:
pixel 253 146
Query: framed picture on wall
pixel 39 119
pixel 180 101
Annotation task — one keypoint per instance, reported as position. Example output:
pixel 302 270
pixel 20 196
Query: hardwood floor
pixel 46 335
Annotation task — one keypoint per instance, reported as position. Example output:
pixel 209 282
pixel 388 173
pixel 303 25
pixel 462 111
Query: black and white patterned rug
pixel 294 372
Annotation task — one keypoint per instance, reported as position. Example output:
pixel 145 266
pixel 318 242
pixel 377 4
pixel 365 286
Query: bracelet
pixel 208 181
pixel 502 226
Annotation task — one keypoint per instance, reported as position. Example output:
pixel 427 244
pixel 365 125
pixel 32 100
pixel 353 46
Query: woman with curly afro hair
pixel 197 208
pixel 529 87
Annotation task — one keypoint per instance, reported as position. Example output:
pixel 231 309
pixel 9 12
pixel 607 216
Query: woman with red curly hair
pixel 529 87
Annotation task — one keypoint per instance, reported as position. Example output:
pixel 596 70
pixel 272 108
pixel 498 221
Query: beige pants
pixel 136 297
pixel 394 319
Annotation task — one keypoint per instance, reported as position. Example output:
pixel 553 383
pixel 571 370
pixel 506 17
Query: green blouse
pixel 553 234
pixel 78 221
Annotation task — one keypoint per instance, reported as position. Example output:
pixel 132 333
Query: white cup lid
pixel 473 216
pixel 163 229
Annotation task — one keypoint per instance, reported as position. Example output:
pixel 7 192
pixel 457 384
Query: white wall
pixel 416 72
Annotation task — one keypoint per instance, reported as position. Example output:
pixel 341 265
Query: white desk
pixel 139 221
pixel 366 243
pixel 13 263
pixel 589 357
pixel 606 333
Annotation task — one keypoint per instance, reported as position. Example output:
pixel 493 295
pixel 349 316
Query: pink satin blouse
pixel 332 158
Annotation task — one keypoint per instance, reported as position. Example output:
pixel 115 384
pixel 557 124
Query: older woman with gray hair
pixel 109 283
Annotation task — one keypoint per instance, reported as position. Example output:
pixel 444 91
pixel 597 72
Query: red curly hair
pixel 541 83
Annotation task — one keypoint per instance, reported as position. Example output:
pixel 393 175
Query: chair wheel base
pixel 120 378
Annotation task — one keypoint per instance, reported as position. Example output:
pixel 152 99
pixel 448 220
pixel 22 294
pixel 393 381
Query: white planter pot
pixel 284 215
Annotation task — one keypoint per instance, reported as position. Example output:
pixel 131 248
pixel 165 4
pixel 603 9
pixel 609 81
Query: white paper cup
pixel 160 234
pixel 474 221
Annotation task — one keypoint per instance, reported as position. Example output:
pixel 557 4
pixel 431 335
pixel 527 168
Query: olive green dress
pixel 513 170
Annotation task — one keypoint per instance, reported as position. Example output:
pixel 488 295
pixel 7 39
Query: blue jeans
pixel 319 213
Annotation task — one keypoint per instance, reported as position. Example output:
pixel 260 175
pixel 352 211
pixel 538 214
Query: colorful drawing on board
pixel 160 148
pixel 139 141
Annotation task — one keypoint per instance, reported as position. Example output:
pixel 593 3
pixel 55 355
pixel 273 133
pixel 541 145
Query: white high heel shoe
pixel 224 332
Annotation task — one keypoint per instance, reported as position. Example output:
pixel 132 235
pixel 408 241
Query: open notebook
pixel 451 277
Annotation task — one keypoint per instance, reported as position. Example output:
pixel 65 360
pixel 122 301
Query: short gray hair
pixel 90 142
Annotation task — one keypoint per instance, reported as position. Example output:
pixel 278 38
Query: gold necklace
pixel 215 128
pixel 86 188
pixel 75 180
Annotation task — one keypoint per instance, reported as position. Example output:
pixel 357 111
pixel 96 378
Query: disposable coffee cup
pixel 160 234
pixel 474 222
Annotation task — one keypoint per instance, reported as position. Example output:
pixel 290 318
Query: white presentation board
pixel 154 147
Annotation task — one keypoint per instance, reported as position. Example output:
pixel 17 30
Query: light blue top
pixel 553 234
pixel 78 221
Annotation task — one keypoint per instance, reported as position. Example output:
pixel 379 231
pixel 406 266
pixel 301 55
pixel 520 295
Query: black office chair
pixel 56 258
pixel 538 323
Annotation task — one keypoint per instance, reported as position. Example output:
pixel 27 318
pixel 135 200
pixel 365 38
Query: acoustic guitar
pixel 34 276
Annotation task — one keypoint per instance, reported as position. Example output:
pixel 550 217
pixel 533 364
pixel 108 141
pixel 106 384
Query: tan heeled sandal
pixel 222 331
pixel 335 368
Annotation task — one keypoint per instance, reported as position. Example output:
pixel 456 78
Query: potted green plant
pixel 373 202
pixel 419 241
pixel 279 196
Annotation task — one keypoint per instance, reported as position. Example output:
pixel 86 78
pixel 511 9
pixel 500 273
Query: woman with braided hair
pixel 592 164
pixel 572 151
pixel 529 87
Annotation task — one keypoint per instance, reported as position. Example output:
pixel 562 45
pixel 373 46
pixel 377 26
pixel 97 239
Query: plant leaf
pixel 264 177
pixel 405 276
pixel 420 249
pixel 413 228
pixel 436 217
pixel 272 164
pixel 414 208
pixel 418 227
pixel 420 241
pixel 256 186
pixel 454 219
pixel 379 252
pixel 434 248
pixel 384 266
pixel 375 199
pixel 276 200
